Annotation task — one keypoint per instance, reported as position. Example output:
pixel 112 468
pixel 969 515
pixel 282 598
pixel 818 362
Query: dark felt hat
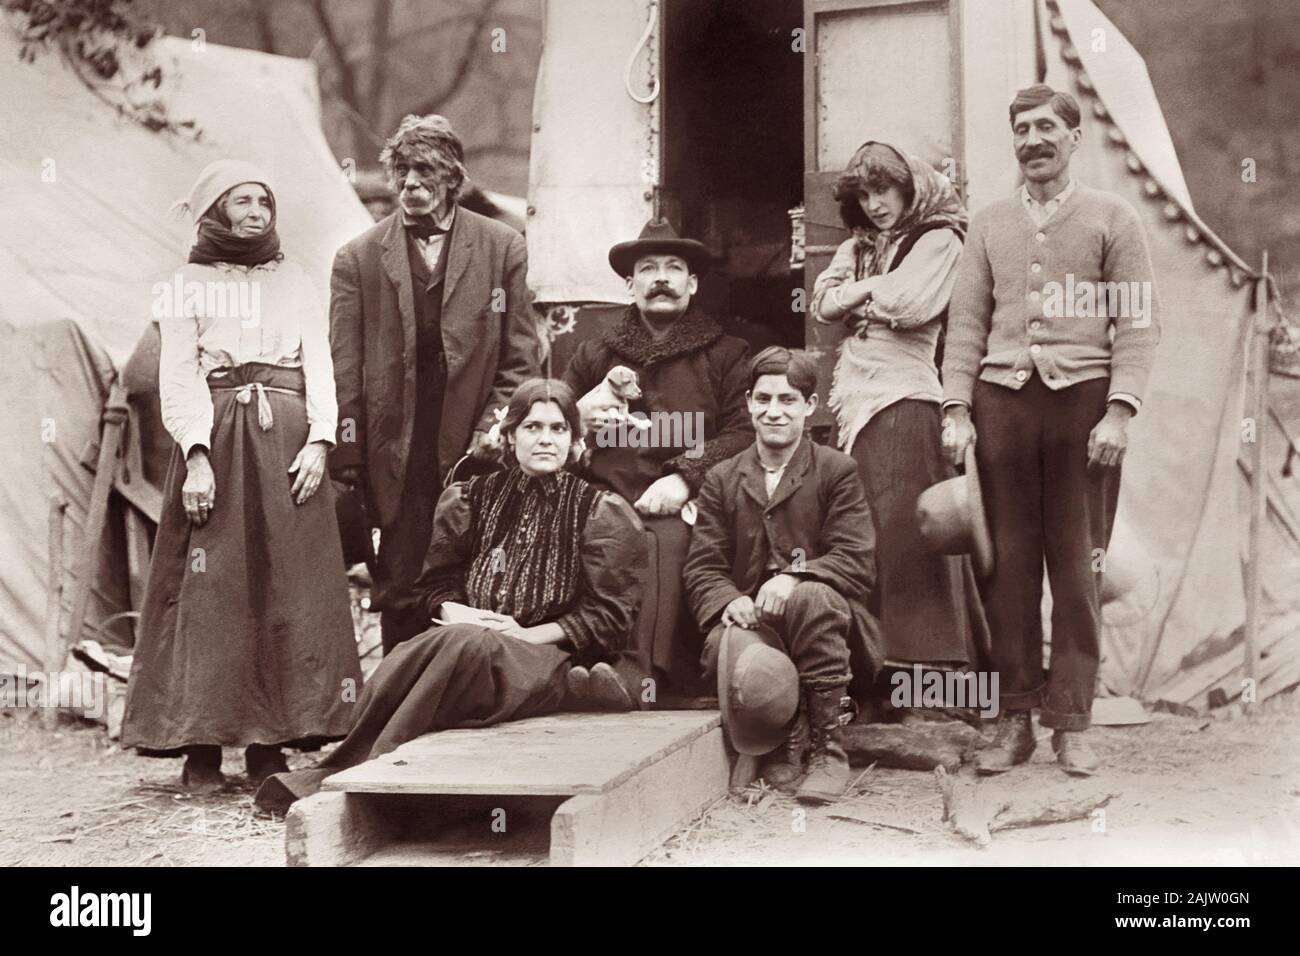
pixel 952 520
pixel 658 238
pixel 758 688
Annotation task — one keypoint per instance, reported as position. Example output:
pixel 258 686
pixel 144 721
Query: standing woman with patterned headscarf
pixel 245 636
pixel 890 282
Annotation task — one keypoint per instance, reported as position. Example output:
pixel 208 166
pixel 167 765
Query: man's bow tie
pixel 423 230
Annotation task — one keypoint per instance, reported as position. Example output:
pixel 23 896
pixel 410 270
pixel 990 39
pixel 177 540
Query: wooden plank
pixel 143 496
pixel 334 829
pixel 558 755
pixel 137 557
pixel 620 826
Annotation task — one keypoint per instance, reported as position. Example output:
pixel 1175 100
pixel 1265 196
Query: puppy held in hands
pixel 608 401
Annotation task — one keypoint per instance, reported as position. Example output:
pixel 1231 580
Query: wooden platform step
pixel 608 787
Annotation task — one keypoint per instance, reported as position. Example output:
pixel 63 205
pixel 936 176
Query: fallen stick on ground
pixel 871 822
pixel 977 812
pixel 1055 806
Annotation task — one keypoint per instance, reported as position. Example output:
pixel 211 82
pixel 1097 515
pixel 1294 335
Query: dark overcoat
pixel 489 340
pixel 696 370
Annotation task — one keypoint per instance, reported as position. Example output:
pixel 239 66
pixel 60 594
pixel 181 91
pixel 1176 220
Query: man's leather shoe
pixel 1012 744
pixel 1074 754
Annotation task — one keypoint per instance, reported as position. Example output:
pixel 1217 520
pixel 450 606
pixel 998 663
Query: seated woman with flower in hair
pixel 532 583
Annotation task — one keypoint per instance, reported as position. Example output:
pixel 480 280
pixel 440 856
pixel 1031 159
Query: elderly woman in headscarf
pixel 532 582
pixel 890 283
pixel 245 636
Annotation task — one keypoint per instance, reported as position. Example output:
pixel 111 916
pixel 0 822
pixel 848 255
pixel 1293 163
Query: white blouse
pixel 896 359
pixel 222 315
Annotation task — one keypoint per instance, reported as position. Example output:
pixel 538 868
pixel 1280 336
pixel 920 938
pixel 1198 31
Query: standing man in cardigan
pixel 1051 333
pixel 431 330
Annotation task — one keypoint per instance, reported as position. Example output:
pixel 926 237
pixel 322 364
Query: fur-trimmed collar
pixel 694 331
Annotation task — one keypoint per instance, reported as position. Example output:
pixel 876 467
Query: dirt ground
pixel 1188 790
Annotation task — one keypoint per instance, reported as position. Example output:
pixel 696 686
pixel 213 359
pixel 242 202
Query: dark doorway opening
pixel 733 155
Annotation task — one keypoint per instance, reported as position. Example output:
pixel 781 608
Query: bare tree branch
pixel 379 21
pixel 347 82
pixel 460 73
pixel 347 78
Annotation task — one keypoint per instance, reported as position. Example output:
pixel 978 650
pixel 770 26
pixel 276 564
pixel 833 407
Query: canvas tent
pixel 84 233
pixel 941 74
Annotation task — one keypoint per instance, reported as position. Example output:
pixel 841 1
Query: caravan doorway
pixel 733 155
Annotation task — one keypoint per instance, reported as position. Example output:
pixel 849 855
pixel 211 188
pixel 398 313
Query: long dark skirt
pixel 454 675
pixel 928 604
pixel 246 634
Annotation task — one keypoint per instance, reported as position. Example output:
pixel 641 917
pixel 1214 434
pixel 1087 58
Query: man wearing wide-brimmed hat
pixel 692 416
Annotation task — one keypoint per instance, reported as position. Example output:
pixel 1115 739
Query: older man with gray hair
pixel 431 329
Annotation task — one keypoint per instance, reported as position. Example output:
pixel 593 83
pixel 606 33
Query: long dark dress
pixel 245 635
pixel 543 549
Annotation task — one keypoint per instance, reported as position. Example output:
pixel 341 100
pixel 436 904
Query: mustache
pixel 661 291
pixel 1027 153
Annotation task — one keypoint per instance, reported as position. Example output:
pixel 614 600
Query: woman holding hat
pixel 890 283
pixel 245 637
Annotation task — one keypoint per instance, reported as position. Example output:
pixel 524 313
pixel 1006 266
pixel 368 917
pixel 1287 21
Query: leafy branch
pixel 93 37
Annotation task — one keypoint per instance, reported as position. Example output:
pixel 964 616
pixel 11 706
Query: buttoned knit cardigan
pixel 1021 298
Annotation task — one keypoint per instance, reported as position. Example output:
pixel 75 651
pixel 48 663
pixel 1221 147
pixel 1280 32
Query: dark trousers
pixel 1045 504
pixel 402 548
pixel 814 629
pixel 404 544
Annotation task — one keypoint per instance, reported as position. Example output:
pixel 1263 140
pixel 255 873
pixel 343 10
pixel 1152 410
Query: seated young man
pixel 783 539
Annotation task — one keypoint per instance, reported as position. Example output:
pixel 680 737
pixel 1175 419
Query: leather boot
pixel 828 764
pixel 1012 744
pixel 1074 754
pixel 783 768
pixel 262 760
pixel 202 770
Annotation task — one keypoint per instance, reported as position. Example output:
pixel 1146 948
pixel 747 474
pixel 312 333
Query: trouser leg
pixel 1078 513
pixel 402 549
pixel 815 628
pixel 1007 450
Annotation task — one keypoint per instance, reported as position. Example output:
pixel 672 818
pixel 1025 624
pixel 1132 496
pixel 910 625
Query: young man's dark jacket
pixel 816 526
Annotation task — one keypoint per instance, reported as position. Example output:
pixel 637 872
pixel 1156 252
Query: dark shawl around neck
pixel 694 331
pixel 527 531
